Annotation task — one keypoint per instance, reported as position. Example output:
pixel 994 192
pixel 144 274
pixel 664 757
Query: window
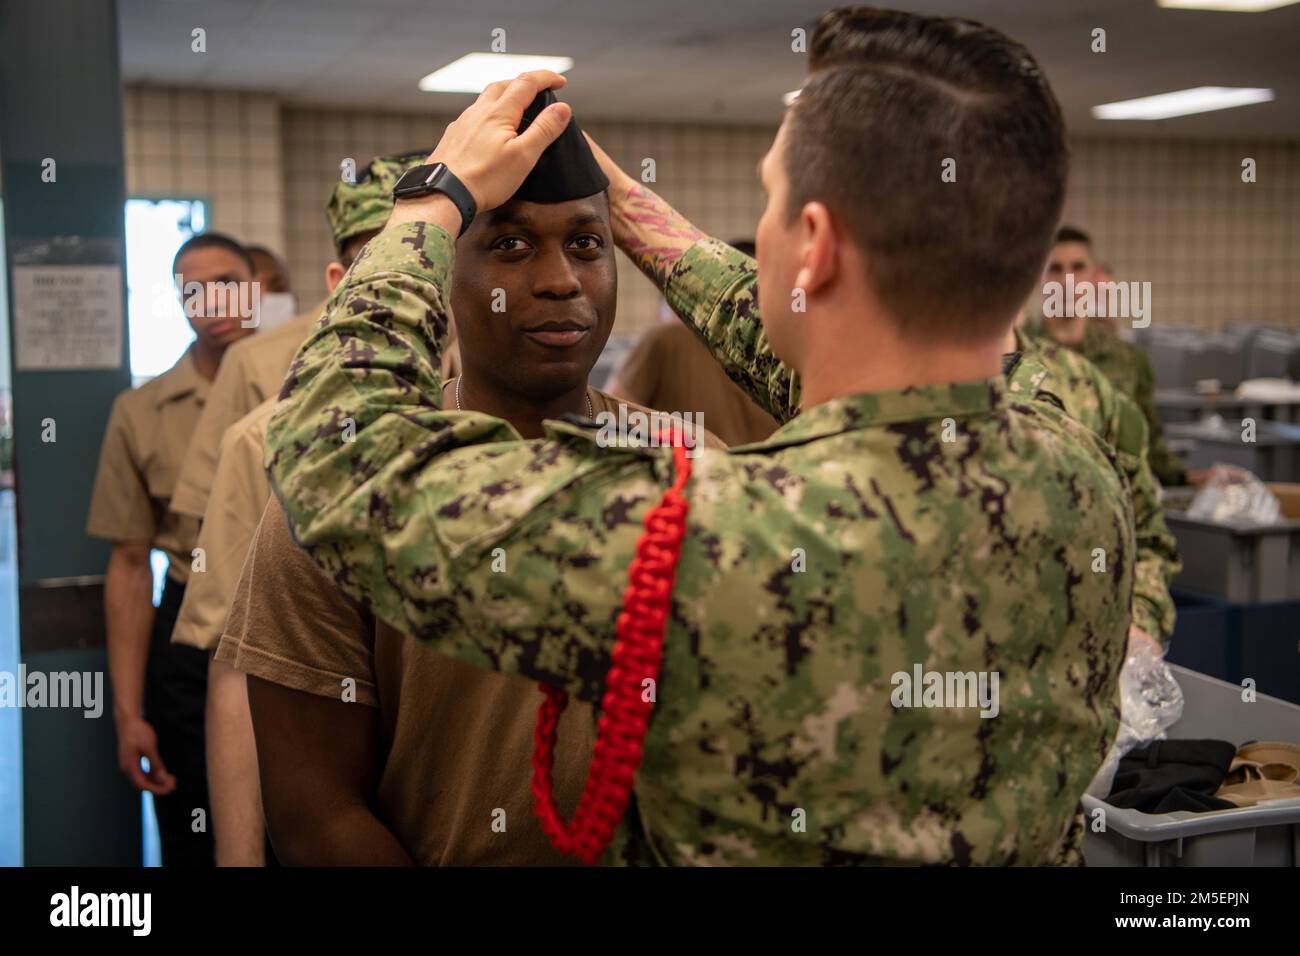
pixel 158 331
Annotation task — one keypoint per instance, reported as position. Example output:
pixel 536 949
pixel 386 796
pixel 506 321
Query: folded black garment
pixel 1168 775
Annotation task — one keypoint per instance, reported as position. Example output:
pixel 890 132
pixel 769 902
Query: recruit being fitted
pixel 857 544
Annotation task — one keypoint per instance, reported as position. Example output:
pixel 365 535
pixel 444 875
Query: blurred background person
pixel 1127 366
pixel 670 369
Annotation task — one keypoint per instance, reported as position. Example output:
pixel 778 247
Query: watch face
pixel 416 182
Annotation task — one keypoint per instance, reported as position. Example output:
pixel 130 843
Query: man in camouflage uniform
pixel 1038 368
pixel 1087 396
pixel 849 34
pixel 945 526
pixel 1124 364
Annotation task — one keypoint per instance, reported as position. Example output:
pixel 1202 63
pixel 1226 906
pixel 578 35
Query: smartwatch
pixel 437 178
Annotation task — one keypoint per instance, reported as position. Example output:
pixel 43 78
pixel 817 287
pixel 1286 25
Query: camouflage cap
pixel 363 206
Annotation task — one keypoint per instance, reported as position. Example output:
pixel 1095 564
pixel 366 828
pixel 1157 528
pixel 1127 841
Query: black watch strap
pixel 437 178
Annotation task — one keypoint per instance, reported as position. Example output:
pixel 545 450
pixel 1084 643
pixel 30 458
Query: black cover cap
pixel 567 169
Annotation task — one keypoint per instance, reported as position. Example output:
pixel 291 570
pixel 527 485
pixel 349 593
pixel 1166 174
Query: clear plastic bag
pixel 1150 702
pixel 1234 495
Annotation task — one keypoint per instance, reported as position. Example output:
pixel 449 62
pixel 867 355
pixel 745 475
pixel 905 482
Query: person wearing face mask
pixel 275 301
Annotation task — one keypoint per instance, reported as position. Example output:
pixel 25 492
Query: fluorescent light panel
pixel 474 71
pixel 1201 99
pixel 1227 6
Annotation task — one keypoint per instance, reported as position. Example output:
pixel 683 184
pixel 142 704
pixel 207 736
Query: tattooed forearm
pixel 652 233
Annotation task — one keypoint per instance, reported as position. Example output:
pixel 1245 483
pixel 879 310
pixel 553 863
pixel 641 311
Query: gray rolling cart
pixel 1263 835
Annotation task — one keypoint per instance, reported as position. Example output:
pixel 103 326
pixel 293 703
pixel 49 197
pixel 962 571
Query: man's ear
pixel 819 251
pixel 334 273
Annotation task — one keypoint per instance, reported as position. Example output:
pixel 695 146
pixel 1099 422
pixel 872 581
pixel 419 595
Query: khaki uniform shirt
pixel 139 459
pixel 251 372
pixel 672 370
pixel 239 493
pixel 457 739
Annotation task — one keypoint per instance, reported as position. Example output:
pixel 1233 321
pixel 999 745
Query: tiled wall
pixel 1174 213
pixel 217 146
pixel 1178 215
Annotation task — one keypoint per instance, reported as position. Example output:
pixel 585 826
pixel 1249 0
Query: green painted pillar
pixel 62 175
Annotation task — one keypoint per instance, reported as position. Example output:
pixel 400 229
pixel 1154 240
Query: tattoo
pixel 652 233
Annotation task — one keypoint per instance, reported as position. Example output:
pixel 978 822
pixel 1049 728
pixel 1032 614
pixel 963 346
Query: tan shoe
pixel 1265 770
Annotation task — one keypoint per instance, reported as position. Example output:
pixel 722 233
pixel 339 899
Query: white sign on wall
pixel 67 317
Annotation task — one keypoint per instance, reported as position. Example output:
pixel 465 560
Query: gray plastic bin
pixel 1264 835
pixel 1274 455
pixel 1246 564
pixel 1168 348
pixel 1242 563
pixel 1273 354
pixel 1181 357
pixel 1178 405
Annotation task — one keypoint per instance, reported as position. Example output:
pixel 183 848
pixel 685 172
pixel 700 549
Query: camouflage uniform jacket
pixel 1071 381
pixel 1087 396
pixel 821 569
pixel 1129 370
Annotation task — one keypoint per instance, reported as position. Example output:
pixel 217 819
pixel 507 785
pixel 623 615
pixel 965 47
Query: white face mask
pixel 275 308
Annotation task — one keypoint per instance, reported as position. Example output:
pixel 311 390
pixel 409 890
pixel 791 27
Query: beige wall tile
pixel 1173 213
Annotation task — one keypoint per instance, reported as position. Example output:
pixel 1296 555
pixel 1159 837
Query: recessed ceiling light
pixel 790 97
pixel 1201 99
pixel 474 71
pixel 1227 6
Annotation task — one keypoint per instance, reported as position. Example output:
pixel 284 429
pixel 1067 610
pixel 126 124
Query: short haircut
pixel 256 250
pixel 281 268
pixel 891 99
pixel 1071 234
pixel 352 245
pixel 744 245
pixel 211 240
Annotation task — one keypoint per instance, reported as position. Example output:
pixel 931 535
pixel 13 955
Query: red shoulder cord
pixel 636 655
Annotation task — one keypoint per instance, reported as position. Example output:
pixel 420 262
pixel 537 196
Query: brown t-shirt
pixel 238 496
pixel 457 739
pixel 671 370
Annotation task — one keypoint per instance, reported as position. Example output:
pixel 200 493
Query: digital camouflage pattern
pixel 1087 396
pixel 1129 370
pixel 364 206
pixel 1080 388
pixel 851 546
